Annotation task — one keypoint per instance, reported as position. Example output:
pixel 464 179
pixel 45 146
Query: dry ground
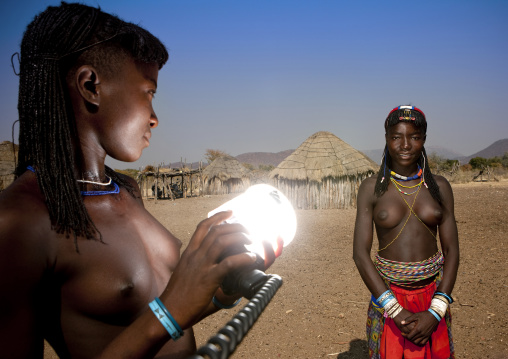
pixel 320 310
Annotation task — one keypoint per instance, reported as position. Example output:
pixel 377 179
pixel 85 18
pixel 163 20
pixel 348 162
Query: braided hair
pixel 57 41
pixel 415 116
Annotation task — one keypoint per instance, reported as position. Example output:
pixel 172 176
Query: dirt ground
pixel 320 310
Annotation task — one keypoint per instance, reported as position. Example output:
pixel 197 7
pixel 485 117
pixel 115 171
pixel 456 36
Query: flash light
pixel 269 217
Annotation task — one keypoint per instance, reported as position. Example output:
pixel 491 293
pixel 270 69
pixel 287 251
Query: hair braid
pixel 382 181
pixel 433 187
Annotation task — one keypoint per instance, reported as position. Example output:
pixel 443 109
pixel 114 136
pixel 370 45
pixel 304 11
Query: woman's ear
pixel 88 85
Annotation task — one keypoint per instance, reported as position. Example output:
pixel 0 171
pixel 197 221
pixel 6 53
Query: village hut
pixel 323 172
pixel 161 182
pixel 8 155
pixel 225 175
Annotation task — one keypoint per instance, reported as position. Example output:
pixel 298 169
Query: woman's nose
pixel 154 121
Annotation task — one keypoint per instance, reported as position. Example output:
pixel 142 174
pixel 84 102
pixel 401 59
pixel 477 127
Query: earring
pixel 384 169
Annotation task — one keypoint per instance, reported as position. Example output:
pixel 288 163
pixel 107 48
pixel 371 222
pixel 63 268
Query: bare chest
pixel 393 208
pixel 111 281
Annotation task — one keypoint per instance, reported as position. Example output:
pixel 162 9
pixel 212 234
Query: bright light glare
pixel 266 213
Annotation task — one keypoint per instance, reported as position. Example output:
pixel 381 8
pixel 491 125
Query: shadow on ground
pixel 358 349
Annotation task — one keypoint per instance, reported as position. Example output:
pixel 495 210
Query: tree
pixel 212 155
pixel 478 163
pixel 249 166
pixel 504 160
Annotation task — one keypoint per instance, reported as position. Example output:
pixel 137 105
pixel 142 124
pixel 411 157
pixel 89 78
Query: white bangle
pixel 439 306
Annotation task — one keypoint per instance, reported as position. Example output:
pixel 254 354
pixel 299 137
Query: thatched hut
pixel 8 155
pixel 323 172
pixel 169 182
pixel 225 175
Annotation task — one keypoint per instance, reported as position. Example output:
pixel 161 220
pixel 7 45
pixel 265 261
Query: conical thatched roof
pixel 224 168
pixel 323 155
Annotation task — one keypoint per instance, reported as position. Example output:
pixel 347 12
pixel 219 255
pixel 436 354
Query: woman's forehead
pixel 405 127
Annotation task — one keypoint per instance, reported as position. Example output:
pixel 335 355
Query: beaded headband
pixel 406 115
pixel 407 112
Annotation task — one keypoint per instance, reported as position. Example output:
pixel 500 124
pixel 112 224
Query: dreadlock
pixel 57 41
pixel 417 118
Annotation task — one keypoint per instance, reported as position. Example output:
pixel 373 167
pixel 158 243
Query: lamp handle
pixel 224 343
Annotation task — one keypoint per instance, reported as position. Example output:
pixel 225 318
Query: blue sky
pixel 264 75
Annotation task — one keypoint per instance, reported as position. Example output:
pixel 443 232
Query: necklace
pixel 404 178
pixel 404 192
pixel 96 183
pixel 401 185
pixel 93 193
pixel 102 193
pixel 407 219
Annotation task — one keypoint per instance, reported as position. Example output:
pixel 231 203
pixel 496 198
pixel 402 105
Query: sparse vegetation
pixel 478 168
pixel 211 155
pixel 249 166
pixel 266 168
pixel 149 168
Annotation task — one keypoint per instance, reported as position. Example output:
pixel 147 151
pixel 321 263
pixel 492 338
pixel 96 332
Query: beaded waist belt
pixel 409 272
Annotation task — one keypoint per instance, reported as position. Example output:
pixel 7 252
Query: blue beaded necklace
pixel 115 190
pixel 404 178
pixel 102 193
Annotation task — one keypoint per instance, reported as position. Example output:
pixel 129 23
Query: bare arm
pixel 189 291
pixel 449 238
pixel 363 238
pixel 23 260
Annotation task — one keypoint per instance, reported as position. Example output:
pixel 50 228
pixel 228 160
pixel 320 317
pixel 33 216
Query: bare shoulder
pixel 368 183
pixel 444 185
pixel 366 197
pixel 24 220
pixel 367 186
pixel 445 189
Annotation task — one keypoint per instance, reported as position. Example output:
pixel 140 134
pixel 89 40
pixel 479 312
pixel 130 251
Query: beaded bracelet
pixel 224 306
pixel 384 296
pixel 166 319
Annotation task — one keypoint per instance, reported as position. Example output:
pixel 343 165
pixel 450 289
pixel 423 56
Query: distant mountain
pixel 264 158
pixel 498 148
pixel 269 158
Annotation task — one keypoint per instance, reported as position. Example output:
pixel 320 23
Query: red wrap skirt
pixel 389 342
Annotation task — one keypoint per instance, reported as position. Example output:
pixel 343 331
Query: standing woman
pixel 411 278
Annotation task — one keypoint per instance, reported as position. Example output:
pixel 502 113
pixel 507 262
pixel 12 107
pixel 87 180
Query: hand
pixel 424 325
pixel 203 266
pixel 272 253
pixel 405 328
